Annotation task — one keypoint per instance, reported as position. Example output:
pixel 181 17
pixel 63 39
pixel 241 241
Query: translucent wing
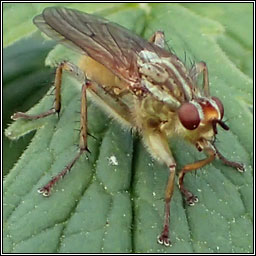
pixel 108 43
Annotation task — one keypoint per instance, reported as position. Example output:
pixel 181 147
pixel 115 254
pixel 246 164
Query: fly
pixel 145 86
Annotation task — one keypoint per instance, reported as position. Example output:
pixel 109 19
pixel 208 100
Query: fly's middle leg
pixel 158 144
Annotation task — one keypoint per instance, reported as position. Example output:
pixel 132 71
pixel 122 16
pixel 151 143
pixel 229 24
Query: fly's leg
pixel 240 167
pixel 157 143
pixel 158 39
pixel 190 198
pixel 164 236
pixel 46 190
pixel 196 70
pixel 57 105
pixel 80 76
pixel 212 152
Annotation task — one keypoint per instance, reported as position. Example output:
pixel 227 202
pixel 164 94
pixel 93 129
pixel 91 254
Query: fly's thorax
pixel 152 114
pixel 166 78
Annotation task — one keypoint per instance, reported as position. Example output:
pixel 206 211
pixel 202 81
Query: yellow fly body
pixel 142 85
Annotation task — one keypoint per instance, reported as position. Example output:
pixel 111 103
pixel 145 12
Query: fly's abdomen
pixel 108 91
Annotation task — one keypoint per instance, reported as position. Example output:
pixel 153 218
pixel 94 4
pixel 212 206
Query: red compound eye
pixel 189 116
pixel 220 106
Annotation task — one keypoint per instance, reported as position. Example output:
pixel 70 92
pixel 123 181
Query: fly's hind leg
pixel 46 190
pixel 80 76
pixel 63 66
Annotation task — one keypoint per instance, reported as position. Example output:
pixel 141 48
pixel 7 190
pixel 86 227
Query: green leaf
pixel 113 199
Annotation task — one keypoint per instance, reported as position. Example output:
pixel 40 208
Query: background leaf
pixel 117 206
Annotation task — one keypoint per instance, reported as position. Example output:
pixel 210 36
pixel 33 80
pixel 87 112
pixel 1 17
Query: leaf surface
pixel 113 199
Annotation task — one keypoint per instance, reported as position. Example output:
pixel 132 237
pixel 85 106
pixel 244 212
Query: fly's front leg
pixel 158 39
pixel 158 145
pixel 190 198
pixel 239 166
pixel 211 152
pixel 196 70
pixel 46 190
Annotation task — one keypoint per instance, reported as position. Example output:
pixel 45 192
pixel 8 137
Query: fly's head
pixel 200 118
